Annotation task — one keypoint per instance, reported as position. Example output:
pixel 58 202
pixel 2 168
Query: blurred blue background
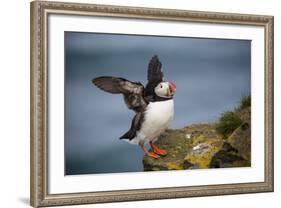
pixel 211 75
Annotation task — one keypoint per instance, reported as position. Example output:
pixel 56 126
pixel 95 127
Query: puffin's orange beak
pixel 172 88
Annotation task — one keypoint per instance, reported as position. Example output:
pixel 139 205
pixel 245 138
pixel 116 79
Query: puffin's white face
pixel 165 89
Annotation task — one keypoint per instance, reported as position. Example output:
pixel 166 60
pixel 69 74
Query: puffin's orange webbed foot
pixel 160 152
pixel 152 154
pixel 157 150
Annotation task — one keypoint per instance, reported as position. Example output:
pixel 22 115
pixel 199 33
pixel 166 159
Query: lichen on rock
pixel 185 152
pixel 177 145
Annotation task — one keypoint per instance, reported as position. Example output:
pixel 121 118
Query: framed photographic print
pixel 144 103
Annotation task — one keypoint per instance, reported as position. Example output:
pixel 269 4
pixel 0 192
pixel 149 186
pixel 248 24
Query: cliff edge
pixel 200 146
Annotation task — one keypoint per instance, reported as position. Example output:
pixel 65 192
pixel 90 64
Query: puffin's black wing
pixel 133 92
pixel 154 76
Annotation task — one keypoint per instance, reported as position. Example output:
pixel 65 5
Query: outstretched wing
pixel 154 76
pixel 133 92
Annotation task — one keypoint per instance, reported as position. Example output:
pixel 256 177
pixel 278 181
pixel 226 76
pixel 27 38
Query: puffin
pixel 153 105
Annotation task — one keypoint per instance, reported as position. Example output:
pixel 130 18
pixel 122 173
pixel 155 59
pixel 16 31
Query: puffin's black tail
pixel 135 125
pixel 129 135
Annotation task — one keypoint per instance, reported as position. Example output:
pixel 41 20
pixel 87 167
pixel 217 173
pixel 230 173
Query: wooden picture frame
pixel 40 11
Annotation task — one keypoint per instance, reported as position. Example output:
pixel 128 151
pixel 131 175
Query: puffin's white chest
pixel 156 119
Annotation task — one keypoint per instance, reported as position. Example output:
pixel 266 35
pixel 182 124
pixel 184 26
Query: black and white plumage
pixel 153 104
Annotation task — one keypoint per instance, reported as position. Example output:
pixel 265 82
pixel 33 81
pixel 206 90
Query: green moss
pixel 227 123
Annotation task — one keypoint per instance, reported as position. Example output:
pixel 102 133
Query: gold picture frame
pixel 39 103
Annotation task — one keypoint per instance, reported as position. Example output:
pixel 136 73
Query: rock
pixel 236 150
pixel 199 146
pixel 203 142
pixel 200 149
pixel 240 139
pixel 201 154
pixel 227 157
pixel 188 136
pixel 176 144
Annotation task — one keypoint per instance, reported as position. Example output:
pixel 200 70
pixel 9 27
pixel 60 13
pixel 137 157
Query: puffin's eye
pixel 161 86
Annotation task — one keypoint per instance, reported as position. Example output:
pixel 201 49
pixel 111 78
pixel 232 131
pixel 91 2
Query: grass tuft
pixel 227 123
pixel 245 102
